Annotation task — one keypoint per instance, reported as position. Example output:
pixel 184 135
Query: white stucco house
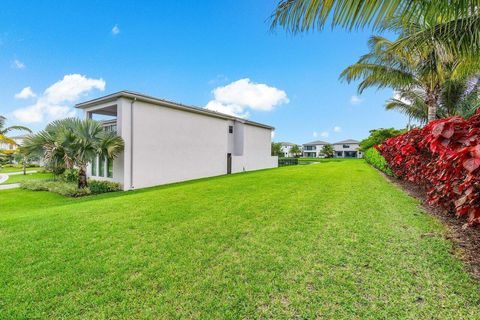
pixel 313 149
pixel 18 140
pixel 347 149
pixel 286 149
pixel 169 142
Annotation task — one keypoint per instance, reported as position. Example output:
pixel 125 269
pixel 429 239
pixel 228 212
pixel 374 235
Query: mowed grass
pixel 17 169
pixel 17 178
pixel 328 240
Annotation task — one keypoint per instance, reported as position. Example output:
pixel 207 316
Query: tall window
pixel 94 166
pixel 101 167
pixel 230 129
pixel 110 168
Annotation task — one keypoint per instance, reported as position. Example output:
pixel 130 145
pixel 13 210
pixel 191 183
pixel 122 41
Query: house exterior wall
pixel 342 148
pixel 166 145
pixel 312 151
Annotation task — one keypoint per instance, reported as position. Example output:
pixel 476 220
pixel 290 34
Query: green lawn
pixel 16 178
pixel 10 169
pixel 331 240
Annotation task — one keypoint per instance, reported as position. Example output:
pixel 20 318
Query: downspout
pixel 131 142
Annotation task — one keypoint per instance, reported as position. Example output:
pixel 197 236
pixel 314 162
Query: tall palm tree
pixel 421 77
pixel 72 142
pixel 456 22
pixel 4 130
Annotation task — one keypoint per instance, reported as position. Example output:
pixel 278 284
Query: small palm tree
pixel 327 150
pixel 72 142
pixel 295 150
pixel 4 130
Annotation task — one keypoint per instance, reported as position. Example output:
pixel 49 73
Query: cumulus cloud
pixel 315 134
pixel 240 96
pixel 337 129
pixel 115 30
pixel 17 64
pixel 26 93
pixel 53 103
pixel 324 134
pixel 355 100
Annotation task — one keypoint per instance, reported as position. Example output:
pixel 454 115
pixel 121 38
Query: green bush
pixel 67 189
pixel 98 186
pixel 69 175
pixel 70 189
pixel 375 159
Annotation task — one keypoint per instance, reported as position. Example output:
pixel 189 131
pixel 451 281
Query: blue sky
pixel 69 51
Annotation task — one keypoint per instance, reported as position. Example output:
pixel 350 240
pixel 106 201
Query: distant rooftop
pixel 288 144
pixel 347 141
pixel 316 142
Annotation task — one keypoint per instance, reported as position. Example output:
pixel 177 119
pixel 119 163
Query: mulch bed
pixel 466 239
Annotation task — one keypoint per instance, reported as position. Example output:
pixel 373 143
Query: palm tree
pixel 4 130
pixel 72 142
pixel 420 77
pixel 295 150
pixel 456 23
pixel 327 150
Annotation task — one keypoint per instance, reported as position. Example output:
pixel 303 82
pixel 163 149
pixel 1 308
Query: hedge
pixel 444 158
pixel 375 159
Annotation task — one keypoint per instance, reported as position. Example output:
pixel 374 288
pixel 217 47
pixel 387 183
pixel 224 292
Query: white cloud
pixel 324 134
pixel 355 100
pixel 26 93
pixel 53 103
pixel 337 129
pixel 115 30
pixel 397 95
pixel 239 96
pixel 315 134
pixel 273 134
pixel 17 64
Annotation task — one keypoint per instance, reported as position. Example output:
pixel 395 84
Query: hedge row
pixel 375 159
pixel 443 157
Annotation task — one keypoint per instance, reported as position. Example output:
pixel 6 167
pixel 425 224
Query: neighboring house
pixel 168 142
pixel 313 149
pixel 286 149
pixel 18 140
pixel 347 149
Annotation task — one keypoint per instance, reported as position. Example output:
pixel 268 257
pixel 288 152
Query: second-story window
pixel 230 129
pixel 346 146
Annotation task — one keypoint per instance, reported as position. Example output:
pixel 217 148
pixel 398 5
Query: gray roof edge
pixel 166 103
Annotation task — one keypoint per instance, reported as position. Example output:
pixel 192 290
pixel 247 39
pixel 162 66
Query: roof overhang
pixel 165 103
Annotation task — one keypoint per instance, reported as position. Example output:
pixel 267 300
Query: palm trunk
pixel 82 177
pixel 24 165
pixel 432 102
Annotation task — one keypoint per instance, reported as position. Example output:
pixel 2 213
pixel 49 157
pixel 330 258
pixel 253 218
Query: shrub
pixel 444 158
pixel 375 159
pixel 70 175
pixel 97 186
pixel 377 136
pixel 67 189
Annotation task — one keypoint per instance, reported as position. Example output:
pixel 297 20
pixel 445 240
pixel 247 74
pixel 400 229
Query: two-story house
pixel 286 149
pixel 347 149
pixel 313 149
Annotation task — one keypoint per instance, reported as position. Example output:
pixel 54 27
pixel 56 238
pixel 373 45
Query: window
pixel 94 166
pixel 101 168
pixel 230 129
pixel 310 147
pixel 346 146
pixel 110 168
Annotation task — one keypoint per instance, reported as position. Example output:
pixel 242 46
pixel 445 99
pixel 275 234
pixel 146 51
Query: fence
pixel 282 162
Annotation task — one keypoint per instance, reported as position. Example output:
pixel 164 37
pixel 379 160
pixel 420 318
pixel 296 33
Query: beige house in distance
pixel 169 142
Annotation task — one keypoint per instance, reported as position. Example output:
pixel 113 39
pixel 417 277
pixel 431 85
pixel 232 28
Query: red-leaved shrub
pixel 444 158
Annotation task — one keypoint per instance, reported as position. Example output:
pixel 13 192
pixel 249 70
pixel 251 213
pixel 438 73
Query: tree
pixel 4 130
pixel 377 136
pixel 423 80
pixel 327 150
pixel 295 150
pixel 72 142
pixel 454 24
pixel 277 149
